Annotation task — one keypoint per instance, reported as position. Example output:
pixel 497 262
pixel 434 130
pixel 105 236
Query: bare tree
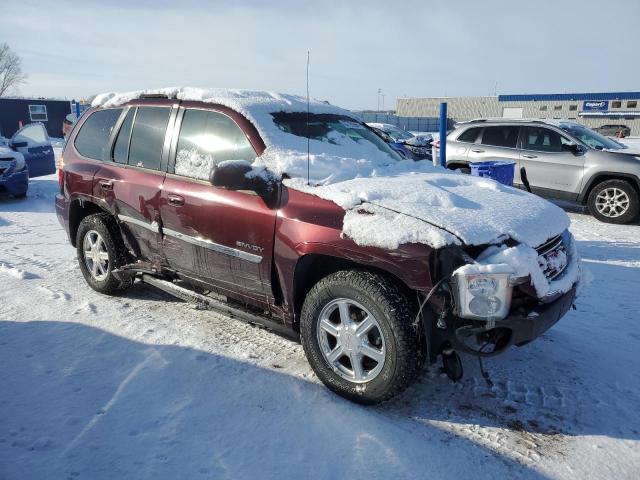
pixel 10 69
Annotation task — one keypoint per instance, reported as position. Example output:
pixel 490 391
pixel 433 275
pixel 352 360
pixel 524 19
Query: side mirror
pixel 574 148
pixel 240 175
pixel 19 144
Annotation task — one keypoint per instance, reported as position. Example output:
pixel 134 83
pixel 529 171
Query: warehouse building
pixel 591 109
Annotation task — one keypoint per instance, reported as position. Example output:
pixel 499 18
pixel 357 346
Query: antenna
pixel 308 147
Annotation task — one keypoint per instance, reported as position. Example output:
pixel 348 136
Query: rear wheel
pixel 357 332
pixel 100 251
pixel 614 201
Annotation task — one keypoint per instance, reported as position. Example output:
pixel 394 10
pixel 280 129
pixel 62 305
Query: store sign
pixel 590 105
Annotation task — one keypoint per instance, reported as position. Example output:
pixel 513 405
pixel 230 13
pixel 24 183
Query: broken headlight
pixel 482 296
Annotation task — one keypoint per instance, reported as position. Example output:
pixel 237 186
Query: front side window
pixel 543 139
pixel 33 134
pixel 38 113
pixel 470 136
pixel 92 140
pixel 147 137
pixel 206 139
pixel 501 136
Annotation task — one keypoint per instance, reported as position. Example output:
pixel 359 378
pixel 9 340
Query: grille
pixel 552 257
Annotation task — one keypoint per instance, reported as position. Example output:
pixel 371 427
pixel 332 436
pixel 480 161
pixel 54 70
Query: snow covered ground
pixel 144 386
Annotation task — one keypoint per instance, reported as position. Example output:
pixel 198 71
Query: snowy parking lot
pixel 145 386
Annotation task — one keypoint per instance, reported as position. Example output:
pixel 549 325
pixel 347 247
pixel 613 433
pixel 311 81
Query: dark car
pixel 406 144
pixel 614 130
pixel 28 154
pixel 214 201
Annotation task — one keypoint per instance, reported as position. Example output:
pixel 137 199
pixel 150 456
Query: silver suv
pixel 560 159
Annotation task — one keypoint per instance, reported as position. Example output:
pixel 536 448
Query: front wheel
pixel 358 334
pixel 614 201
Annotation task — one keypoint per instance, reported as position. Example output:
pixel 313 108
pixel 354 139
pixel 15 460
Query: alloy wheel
pixel 96 257
pixel 351 340
pixel 612 202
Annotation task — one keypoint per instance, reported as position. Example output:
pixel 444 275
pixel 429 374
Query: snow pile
pixel 388 201
pixel 433 206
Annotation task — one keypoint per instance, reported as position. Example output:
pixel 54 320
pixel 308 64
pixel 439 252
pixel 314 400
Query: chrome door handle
pixel 106 184
pixel 529 156
pixel 477 150
pixel 175 200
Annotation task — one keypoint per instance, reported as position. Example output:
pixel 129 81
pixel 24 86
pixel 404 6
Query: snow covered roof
pixel 257 106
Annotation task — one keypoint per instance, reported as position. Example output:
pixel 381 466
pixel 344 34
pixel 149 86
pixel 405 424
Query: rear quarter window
pixel 469 136
pixel 92 140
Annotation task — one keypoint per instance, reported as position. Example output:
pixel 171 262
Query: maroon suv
pixel 296 215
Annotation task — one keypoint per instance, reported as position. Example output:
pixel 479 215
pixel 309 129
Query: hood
pixel 440 208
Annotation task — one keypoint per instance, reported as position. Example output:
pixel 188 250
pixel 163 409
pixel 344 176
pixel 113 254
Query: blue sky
pixel 411 48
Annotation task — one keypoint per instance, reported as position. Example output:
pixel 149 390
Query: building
pixel 16 112
pixel 590 109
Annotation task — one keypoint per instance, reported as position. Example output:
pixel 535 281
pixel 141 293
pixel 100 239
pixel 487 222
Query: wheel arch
pixel 603 177
pixel 78 210
pixel 313 267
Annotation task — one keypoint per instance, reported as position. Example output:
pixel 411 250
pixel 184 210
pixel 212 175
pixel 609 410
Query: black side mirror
pixel 240 175
pixel 19 144
pixel 574 148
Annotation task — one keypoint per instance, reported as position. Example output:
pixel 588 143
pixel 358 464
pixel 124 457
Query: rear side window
pixel 501 136
pixel 206 139
pixel 92 140
pixel 147 137
pixel 121 148
pixel 543 140
pixel 470 135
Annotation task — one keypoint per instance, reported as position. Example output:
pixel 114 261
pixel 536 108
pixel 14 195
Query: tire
pixel 364 293
pixel 614 201
pixel 102 231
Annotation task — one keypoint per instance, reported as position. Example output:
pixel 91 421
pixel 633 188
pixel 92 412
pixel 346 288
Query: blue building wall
pixel 14 111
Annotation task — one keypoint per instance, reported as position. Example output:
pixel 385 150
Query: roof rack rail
pixel 154 95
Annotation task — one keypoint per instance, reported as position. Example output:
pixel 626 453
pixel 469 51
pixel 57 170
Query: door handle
pixel 106 184
pixel 477 150
pixel 527 155
pixel 175 200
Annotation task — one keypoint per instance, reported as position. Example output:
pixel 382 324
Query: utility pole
pixel 379 93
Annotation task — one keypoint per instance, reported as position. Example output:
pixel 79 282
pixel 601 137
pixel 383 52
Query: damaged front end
pixel 493 297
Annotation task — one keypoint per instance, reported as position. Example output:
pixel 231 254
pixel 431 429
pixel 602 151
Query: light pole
pixel 379 93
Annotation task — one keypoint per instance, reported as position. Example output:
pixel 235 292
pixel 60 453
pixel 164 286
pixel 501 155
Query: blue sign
pixel 595 105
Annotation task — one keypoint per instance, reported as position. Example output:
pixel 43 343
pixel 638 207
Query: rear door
pixel 553 170
pixel 221 237
pixel 32 141
pixel 130 184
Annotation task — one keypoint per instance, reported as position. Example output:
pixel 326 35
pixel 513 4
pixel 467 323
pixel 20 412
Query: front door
pixel 553 169
pixel 32 141
pixel 131 183
pixel 221 237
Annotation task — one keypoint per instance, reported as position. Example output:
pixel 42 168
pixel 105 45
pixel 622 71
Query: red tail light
pixel 61 175
pixel 436 144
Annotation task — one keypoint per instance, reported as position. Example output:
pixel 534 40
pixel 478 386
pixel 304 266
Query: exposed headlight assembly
pixel 482 296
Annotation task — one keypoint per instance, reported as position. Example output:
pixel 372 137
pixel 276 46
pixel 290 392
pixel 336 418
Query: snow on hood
pixel 388 201
pixel 438 207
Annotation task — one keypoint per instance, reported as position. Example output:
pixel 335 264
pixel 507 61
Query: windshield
pixel 589 137
pixel 330 128
pixel 397 133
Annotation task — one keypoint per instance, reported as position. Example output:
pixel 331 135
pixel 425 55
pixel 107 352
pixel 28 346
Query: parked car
pixel 406 144
pixel 212 197
pixel 613 130
pixel 67 124
pixel 27 154
pixel 562 160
